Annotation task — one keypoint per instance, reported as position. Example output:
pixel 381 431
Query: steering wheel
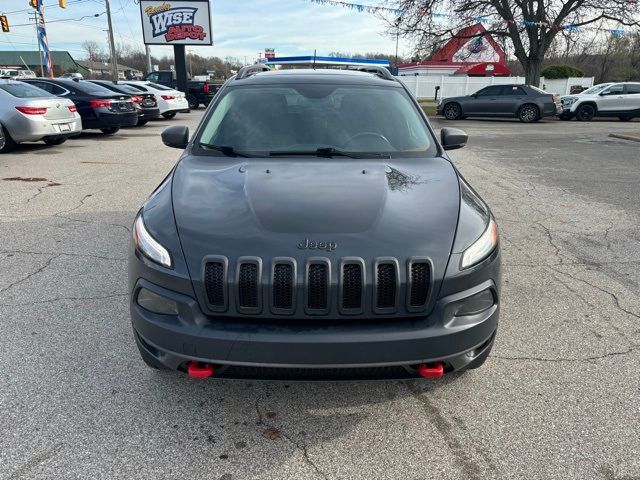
pixel 374 135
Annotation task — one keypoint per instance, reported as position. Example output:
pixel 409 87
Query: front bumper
pixel 173 341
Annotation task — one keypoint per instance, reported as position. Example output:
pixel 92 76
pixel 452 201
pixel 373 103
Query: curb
pixel 625 137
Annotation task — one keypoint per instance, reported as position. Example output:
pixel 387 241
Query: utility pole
pixel 37 21
pixel 112 45
pixel 147 51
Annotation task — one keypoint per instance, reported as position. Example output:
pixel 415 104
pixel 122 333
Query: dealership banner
pixel 176 22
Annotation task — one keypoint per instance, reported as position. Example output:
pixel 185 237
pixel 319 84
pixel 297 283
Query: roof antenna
pixel 314 58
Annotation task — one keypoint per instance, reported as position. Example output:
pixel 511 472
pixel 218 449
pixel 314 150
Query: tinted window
pixel 512 90
pixel 158 87
pixel 91 88
pixel 311 116
pixel 43 85
pixel 633 88
pixel 139 88
pixel 24 90
pixel 614 90
pixel 490 91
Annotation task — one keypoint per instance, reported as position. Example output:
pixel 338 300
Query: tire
pixel 585 113
pixel 110 130
pixel 529 113
pixel 6 142
pixel 55 141
pixel 193 102
pixel 565 116
pixel 169 115
pixel 625 118
pixel 142 122
pixel 452 111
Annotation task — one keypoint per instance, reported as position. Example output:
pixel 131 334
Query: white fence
pixel 424 86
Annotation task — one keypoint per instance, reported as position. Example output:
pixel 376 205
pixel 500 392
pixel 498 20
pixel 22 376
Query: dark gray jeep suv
pixel 314 228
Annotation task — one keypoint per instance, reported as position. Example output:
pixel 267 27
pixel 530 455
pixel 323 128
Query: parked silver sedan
pixel 30 114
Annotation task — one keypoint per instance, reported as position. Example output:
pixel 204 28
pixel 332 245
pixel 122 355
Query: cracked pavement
pixel 558 398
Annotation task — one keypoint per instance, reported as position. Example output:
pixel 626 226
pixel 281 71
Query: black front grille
pixel 352 286
pixel 419 281
pixel 389 288
pixel 317 284
pixel 386 286
pixel 248 285
pixel 214 280
pixel 282 288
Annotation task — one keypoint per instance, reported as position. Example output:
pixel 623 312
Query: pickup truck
pixel 199 92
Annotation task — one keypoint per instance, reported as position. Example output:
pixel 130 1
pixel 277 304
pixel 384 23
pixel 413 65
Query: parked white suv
pixel 620 100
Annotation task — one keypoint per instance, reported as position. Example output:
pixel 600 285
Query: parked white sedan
pixel 170 101
pixel 30 114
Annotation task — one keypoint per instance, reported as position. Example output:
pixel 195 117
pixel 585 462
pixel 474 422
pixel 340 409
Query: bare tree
pixel 531 26
pixel 94 50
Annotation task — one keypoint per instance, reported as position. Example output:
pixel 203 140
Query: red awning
pixel 484 69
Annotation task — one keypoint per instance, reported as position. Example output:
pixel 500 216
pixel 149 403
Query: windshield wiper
pixel 328 152
pixel 225 149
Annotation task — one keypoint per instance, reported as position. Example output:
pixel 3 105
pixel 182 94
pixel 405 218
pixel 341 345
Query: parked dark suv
pixel 525 102
pixel 314 227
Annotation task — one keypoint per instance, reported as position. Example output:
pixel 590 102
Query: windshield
pixel 595 89
pixel 24 90
pixel 308 117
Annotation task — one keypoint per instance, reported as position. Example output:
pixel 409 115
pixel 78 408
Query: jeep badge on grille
pixel 313 245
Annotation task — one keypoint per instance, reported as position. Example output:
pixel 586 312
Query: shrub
pixel 561 71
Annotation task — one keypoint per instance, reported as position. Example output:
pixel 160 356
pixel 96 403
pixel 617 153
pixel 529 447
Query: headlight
pixel 148 245
pixel 568 101
pixel 482 247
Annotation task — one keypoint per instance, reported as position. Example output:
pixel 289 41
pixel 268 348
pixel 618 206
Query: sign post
pixel 178 23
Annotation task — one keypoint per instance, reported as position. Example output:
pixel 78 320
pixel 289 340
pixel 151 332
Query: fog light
pixel 156 303
pixel 475 303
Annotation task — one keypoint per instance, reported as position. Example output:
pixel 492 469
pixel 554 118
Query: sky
pixel 241 28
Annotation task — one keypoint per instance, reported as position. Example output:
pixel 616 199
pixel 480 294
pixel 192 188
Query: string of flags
pixel 359 8
pixel 616 32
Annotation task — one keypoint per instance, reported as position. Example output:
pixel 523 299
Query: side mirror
pixel 453 138
pixel 176 136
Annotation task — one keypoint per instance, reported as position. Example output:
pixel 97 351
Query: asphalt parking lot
pixel 558 398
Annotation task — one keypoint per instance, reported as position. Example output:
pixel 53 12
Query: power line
pixel 52 5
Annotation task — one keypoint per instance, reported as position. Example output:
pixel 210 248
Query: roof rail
pixel 249 70
pixel 378 70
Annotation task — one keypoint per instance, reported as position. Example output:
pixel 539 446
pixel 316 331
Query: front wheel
pixel 193 102
pixel 585 113
pixel 55 141
pixel 625 118
pixel 6 142
pixel 452 111
pixel 529 114
pixel 110 130
pixel 169 115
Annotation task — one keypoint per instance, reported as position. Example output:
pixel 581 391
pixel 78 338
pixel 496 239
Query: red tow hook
pixel 200 370
pixel 431 370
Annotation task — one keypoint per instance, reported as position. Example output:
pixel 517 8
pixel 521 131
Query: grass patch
pixel 430 110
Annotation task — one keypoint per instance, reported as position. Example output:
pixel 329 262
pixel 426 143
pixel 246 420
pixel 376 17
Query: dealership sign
pixel 176 22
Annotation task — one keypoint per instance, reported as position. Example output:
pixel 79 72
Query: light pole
pixel 190 52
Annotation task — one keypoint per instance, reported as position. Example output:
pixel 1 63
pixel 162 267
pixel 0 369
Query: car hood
pixel 269 207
